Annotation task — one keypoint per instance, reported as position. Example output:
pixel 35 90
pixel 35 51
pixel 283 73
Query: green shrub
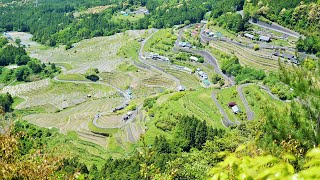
pixel 177 96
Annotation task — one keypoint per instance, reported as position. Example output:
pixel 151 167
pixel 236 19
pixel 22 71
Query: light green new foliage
pixel 239 166
pixel 72 77
pixel 258 98
pixel 191 103
pixel 161 42
pixel 130 50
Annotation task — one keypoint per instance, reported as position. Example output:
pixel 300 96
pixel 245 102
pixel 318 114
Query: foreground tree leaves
pixel 244 165
pixel 34 165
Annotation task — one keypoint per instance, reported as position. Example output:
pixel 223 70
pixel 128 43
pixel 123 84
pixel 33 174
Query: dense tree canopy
pixel 28 69
pixel 302 16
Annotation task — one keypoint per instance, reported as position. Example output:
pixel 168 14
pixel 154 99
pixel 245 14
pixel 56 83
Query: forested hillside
pixel 24 68
pixel 140 89
pixel 303 16
pixel 53 22
pixel 197 150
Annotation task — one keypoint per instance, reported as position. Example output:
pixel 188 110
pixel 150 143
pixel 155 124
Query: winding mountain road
pixel 225 120
pixel 205 38
pixel 276 27
pixel 250 113
pixel 208 57
pixel 97 116
pixel 213 61
pixel 148 65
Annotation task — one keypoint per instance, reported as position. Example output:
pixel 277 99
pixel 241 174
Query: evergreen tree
pixel 201 134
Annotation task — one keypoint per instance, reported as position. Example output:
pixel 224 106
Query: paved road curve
pixel 148 65
pixel 210 59
pixel 205 38
pixel 132 117
pixel 226 121
pixel 124 94
pixel 276 27
pixel 250 113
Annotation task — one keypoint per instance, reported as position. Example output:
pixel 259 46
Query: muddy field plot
pixel 261 59
pixel 98 52
pixel 110 120
pixel 58 96
pixel 25 87
pixel 75 118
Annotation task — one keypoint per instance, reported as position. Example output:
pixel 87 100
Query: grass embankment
pixel 231 95
pixel 71 145
pixel 102 131
pixel 161 42
pixel 258 99
pixel 223 31
pixel 65 65
pixel 246 56
pixel 187 80
pixel 120 80
pixel 63 145
pixel 130 50
pixel 72 77
pixel 192 103
pixel 63 88
pixel 17 100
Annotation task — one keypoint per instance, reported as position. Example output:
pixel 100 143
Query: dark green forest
pixel 6 102
pixel 28 69
pixel 53 22
pixel 282 144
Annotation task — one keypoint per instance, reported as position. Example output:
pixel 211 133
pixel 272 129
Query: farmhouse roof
pixel 193 58
pixel 249 35
pixel 264 38
pixel 231 104
pixel 181 88
pixel 235 109
pixel 206 82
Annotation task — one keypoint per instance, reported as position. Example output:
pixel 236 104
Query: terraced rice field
pixel 133 132
pixel 120 80
pixel 143 91
pixel 187 80
pixel 110 120
pixel 157 81
pixel 25 87
pixel 76 118
pixel 64 95
pixel 248 57
pixel 75 115
pixel 201 104
pixel 198 103
pixel 98 52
